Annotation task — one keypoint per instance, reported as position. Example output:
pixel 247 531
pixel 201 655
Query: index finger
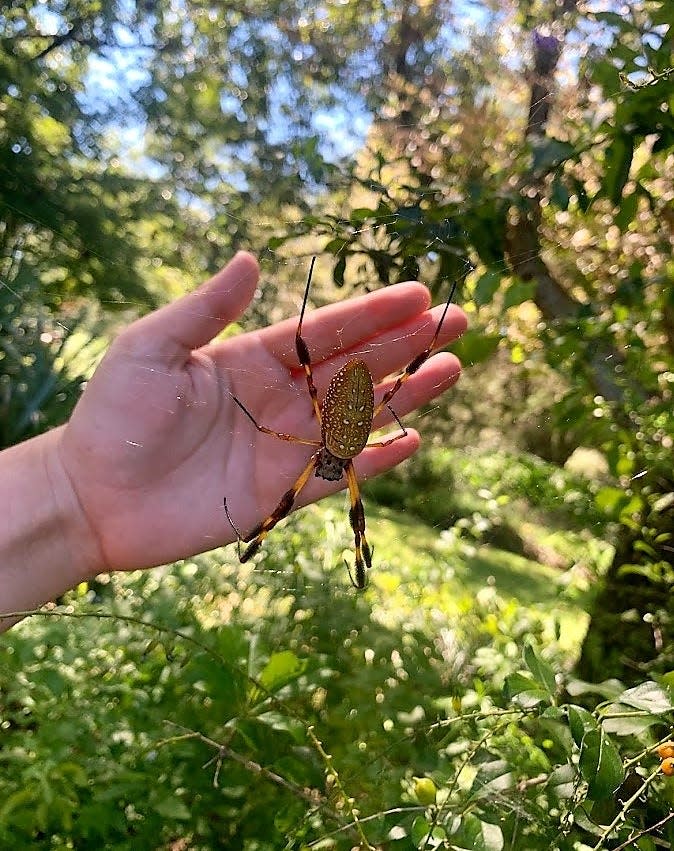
pixel 346 324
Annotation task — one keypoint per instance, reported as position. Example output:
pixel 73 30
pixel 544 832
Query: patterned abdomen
pixel 347 410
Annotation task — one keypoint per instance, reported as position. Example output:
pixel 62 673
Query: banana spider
pixel 345 417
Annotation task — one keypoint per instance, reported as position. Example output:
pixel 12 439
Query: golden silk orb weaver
pixel 345 417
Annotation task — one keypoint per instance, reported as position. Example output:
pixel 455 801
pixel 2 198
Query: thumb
pixel 193 320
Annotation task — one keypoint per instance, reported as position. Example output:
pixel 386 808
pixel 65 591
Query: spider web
pixel 283 268
pixel 273 301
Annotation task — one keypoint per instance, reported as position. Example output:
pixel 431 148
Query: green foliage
pixel 121 767
pixel 274 708
pixel 566 221
pixel 67 208
pixel 42 365
pixel 496 498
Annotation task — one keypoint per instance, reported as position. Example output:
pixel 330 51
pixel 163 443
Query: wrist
pixel 46 545
pixel 77 536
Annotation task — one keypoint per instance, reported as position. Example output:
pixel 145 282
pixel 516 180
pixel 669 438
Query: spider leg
pixel 255 538
pixel 303 349
pixel 387 440
pixel 416 362
pixel 357 519
pixel 282 435
pixel 239 536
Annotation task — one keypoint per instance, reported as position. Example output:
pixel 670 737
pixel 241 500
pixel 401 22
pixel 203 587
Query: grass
pixel 422 574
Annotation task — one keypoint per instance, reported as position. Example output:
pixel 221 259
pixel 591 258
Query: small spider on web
pixel 345 418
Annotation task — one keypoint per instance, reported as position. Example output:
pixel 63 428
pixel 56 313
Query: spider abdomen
pixel 347 410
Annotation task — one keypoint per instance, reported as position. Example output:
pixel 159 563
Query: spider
pixel 345 417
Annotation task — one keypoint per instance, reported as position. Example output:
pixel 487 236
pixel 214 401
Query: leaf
pixel 524 690
pixel 491 778
pixel 633 725
pixel 647 696
pixel 338 271
pixel 518 292
pixel 581 722
pixel 553 723
pixel 473 834
pixel 275 242
pixel 361 214
pixel 542 672
pixel 549 152
pixel 600 765
pixel 644 547
pixel 412 215
pixel 486 287
pixel 614 19
pixel 627 512
pixel 53 680
pixel 281 669
pixel 172 807
pixel 420 828
pixel 627 211
pixel 286 817
pixel 475 347
pixel 618 162
pixel 51 134
pixel 610 689
pixel 562 782
pixel 335 246
pixel 375 185
pixel 611 500
pixel 20 798
pixel 582 198
pixel 75 773
pixel 668 680
pixel 559 193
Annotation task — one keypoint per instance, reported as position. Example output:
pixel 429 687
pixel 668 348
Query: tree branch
pixel 69 35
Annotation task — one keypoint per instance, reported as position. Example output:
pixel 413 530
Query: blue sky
pixel 113 77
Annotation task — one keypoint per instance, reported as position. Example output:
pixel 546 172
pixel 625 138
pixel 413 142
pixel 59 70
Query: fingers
pixel 348 324
pixel 193 320
pixel 372 462
pixel 386 329
pixel 438 374
pixel 392 350
pixel 435 376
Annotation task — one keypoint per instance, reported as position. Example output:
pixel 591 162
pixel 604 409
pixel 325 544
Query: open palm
pixel 156 440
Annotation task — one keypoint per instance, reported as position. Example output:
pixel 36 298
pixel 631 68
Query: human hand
pixel 156 440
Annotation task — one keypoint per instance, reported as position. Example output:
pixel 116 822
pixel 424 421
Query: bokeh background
pixel 504 682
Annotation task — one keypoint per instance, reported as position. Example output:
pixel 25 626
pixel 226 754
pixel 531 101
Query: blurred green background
pixel 504 681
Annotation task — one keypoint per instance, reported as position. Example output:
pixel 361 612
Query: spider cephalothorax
pixel 345 416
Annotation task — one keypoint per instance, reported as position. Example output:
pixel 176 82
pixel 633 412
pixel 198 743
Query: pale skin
pixel 137 476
